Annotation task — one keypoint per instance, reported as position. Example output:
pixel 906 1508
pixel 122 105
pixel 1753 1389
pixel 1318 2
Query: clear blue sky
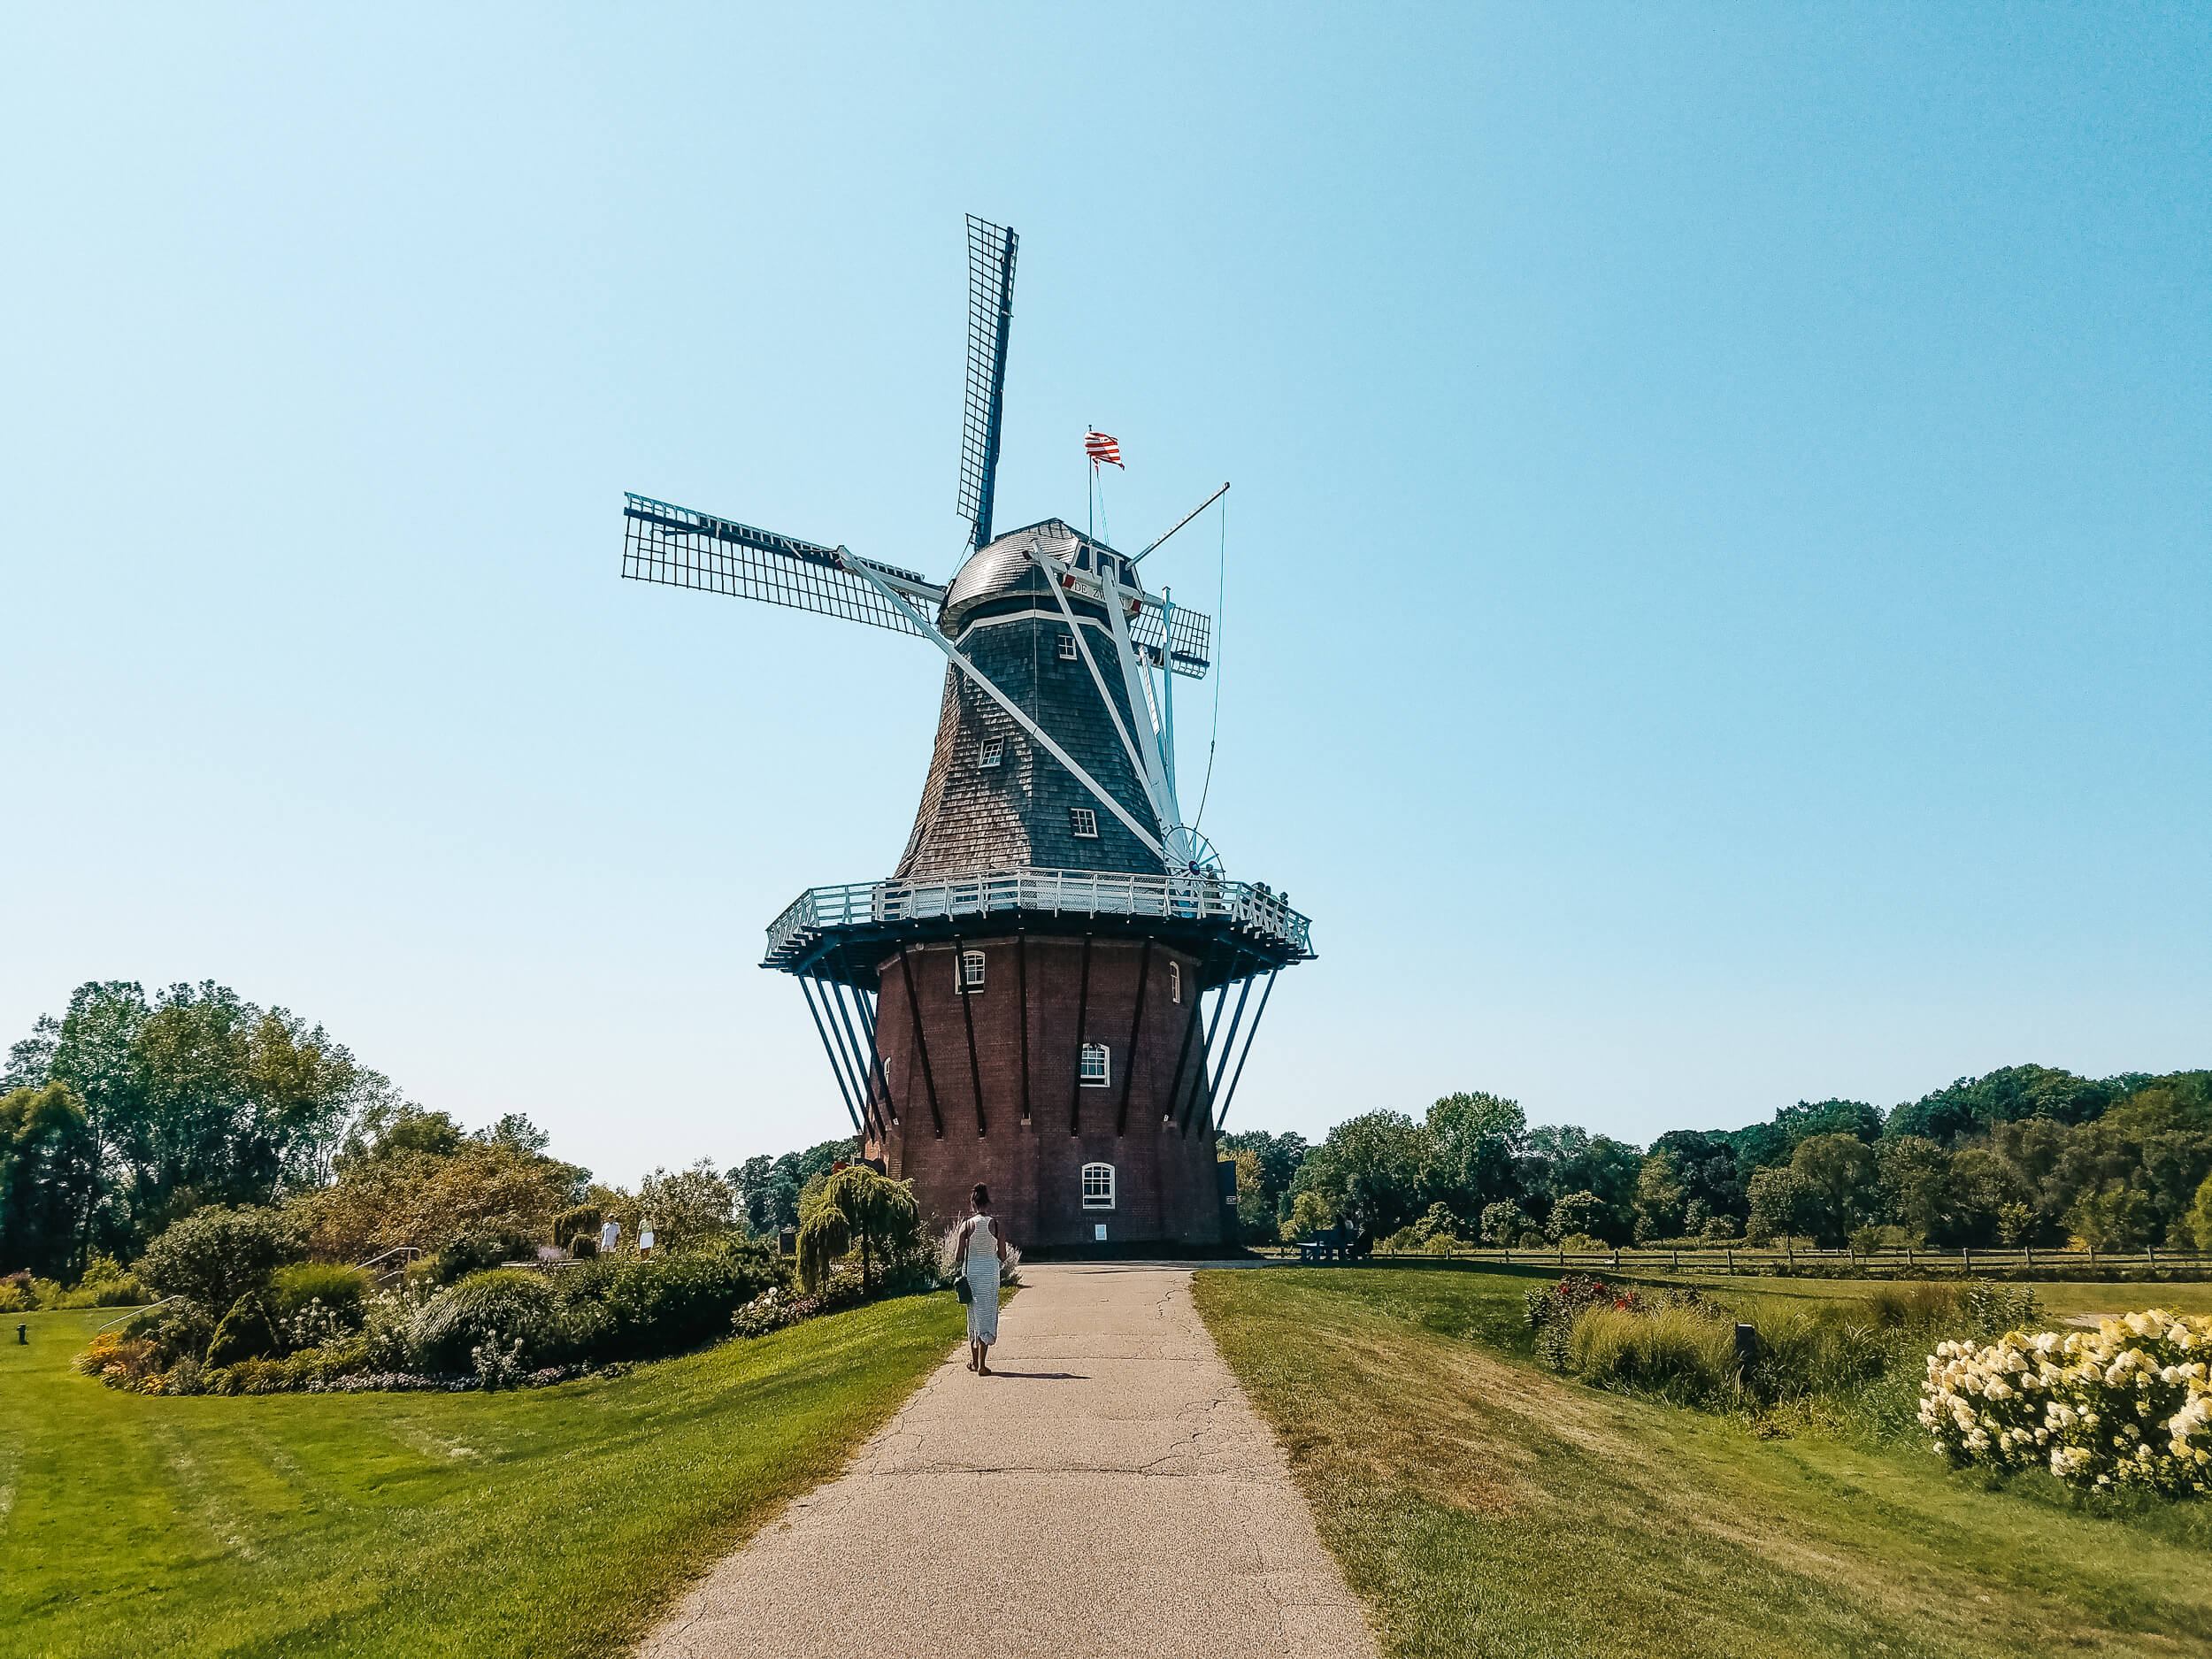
pixel 1717 589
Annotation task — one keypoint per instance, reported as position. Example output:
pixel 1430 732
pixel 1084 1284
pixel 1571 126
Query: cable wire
pixel 1221 602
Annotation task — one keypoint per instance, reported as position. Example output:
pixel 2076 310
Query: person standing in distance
pixel 609 1235
pixel 982 1248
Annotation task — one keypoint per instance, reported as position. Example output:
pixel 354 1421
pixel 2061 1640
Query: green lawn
pixel 1484 1507
pixel 554 1522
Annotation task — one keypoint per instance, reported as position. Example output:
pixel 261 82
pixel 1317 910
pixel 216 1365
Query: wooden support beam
pixel 1136 1030
pixel 1082 1011
pixel 921 1043
pixel 967 1017
pixel 1021 971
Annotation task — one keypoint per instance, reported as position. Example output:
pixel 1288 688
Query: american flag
pixel 1099 447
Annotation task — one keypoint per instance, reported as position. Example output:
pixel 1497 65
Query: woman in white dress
pixel 982 1248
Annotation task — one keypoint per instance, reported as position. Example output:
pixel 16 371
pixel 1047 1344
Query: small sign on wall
pixel 1100 1233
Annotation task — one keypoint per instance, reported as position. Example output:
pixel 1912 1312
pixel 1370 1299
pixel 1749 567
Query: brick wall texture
pixel 1164 1181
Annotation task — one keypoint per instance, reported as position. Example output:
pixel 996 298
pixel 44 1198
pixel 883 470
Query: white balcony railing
pixel 1245 905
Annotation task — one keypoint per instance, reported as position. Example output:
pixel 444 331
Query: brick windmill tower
pixel 1024 1001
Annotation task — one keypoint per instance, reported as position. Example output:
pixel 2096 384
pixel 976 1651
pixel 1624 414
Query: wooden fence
pixel 1855 1264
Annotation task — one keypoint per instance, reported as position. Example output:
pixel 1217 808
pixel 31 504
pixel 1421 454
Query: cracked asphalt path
pixel 1110 1492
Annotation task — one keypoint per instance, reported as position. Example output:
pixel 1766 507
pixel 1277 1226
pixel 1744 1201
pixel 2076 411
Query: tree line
pixel 129 1111
pixel 2025 1155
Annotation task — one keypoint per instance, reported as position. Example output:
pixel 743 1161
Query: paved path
pixel 1109 1493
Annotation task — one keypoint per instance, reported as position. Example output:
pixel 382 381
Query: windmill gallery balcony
pixel 1245 914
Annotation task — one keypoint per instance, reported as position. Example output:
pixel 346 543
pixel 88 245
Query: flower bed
pixel 2127 1405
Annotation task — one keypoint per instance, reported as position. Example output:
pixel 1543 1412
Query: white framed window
pixel 1174 981
pixel 1098 1186
pixel 1067 648
pixel 992 753
pixel 1083 823
pixel 1097 1067
pixel 968 976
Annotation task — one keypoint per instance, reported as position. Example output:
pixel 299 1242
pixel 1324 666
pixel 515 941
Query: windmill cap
pixel 1010 564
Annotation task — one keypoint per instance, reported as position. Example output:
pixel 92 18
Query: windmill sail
pixel 991 250
pixel 683 549
pixel 1192 653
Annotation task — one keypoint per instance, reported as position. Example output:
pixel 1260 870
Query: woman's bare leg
pixel 983 1359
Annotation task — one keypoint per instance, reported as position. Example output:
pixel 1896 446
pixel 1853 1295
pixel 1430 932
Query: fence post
pixel 1966 1258
pixel 1732 1261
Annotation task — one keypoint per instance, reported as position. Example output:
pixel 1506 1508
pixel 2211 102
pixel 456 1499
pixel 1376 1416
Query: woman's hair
pixel 982 1195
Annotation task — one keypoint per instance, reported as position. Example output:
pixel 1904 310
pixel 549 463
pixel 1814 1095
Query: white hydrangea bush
pixel 2126 1405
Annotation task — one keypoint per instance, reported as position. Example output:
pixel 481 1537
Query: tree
pixel 1576 1213
pixel 1478 1141
pixel 1504 1222
pixel 2201 1215
pixel 1840 1172
pixel 687 1206
pixel 1783 1202
pixel 1278 1157
pixel 1309 1214
pixel 752 1182
pixel 1565 1159
pixel 2117 1218
pixel 857 1207
pixel 1256 1215
pixel 1916 1179
pixel 47 1164
pixel 215 1255
pixel 1370 1169
pixel 400 1194
pixel 1661 1198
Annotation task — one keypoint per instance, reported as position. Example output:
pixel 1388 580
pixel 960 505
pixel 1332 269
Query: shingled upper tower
pixel 993 798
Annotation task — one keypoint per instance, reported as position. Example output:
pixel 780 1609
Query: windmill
pixel 1022 1000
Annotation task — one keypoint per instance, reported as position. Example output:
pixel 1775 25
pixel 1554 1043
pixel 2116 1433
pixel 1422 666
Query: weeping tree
pixel 860 1209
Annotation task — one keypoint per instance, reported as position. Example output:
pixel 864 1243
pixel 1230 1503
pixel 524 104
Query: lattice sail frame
pixel 1193 638
pixel 991 255
pixel 662 543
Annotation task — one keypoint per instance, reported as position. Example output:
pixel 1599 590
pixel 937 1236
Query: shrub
pixel 342 1290
pixel 216 1255
pixel 584 1245
pixel 245 1332
pixel 2128 1405
pixel 634 1306
pixel 505 1305
pixel 857 1209
pixel 477 1253
pixel 1721 1230
pixel 16 1294
pixel 580 1222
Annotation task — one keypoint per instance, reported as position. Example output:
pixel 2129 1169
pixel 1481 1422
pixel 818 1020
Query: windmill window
pixel 992 753
pixel 1098 1186
pixel 1083 823
pixel 1067 648
pixel 1097 1070
pixel 1174 981
pixel 970 977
